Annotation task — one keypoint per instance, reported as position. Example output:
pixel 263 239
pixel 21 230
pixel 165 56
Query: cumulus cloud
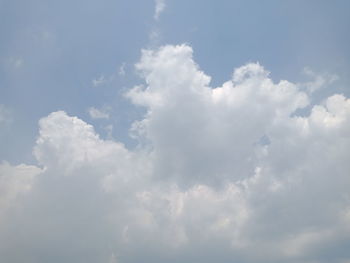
pixel 14 181
pixel 182 105
pixel 221 174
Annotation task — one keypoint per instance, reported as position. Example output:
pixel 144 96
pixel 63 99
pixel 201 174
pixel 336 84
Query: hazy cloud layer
pixel 5 115
pixel 225 174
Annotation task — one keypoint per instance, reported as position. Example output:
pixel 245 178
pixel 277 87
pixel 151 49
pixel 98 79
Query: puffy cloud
pixel 69 144
pixel 221 174
pixel 200 134
pixel 14 181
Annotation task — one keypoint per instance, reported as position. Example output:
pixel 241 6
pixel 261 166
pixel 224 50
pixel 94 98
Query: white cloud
pixel 15 180
pixel 75 145
pixel 159 8
pixel 220 174
pixel 182 105
pixel 98 113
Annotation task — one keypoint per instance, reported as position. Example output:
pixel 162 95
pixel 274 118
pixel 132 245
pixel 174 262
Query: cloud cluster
pixel 222 174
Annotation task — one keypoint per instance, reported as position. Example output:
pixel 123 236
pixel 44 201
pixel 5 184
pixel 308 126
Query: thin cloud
pixel 121 70
pixel 98 113
pixel 159 8
pixel 99 81
pixel 318 80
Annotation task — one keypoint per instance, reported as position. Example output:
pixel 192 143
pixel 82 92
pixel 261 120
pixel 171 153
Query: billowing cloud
pixel 222 174
pixel 14 181
pixel 219 128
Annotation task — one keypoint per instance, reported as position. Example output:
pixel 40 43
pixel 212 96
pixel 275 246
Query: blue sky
pixel 231 98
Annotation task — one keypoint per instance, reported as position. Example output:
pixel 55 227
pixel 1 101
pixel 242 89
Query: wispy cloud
pixel 159 8
pixel 121 70
pixel 99 113
pixel 99 81
pixel 318 80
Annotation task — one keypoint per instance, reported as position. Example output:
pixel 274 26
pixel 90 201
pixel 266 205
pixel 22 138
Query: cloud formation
pixel 14 181
pixel 159 8
pixel 98 113
pixel 319 80
pixel 222 174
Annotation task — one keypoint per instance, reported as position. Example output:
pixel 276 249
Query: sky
pixel 174 131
